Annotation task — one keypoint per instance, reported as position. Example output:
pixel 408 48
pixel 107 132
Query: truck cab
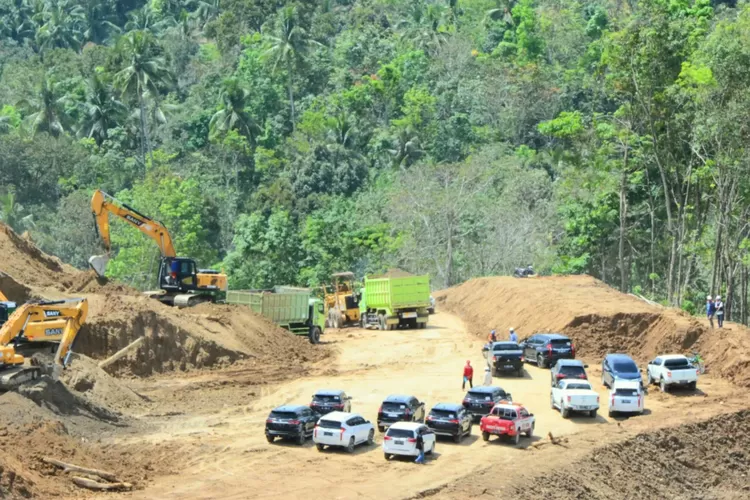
pixel 508 420
pixel 672 370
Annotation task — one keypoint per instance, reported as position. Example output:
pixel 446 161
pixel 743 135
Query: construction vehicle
pixel 293 309
pixel 38 326
pixel 388 302
pixel 6 308
pixel 181 283
pixel 342 301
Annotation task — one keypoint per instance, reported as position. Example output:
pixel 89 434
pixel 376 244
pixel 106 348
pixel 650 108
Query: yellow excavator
pixel 181 283
pixel 35 326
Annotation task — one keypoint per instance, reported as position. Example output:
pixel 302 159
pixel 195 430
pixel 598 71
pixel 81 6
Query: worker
pixel 420 447
pixel 468 375
pixel 710 310
pixel 492 337
pixel 513 337
pixel 487 376
pixel 719 307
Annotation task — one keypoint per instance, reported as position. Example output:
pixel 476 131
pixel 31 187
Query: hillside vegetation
pixel 284 140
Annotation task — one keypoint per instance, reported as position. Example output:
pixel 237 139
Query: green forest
pixel 281 141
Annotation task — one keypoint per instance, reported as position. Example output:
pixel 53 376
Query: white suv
pixel 343 429
pixel 401 439
pixel 626 396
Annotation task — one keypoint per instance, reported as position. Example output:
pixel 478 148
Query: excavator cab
pixel 178 274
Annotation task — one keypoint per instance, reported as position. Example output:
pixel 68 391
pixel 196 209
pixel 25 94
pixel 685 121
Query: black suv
pixel 546 348
pixel 450 419
pixel 325 401
pixel 506 357
pixel 291 422
pixel 399 408
pixel 480 400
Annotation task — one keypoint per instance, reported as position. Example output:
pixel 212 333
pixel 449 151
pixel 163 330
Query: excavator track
pixel 12 378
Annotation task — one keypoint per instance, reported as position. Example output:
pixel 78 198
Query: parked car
pixel 480 400
pixel 672 370
pixel 401 439
pixel 327 400
pixel 343 429
pixel 567 368
pixel 571 395
pixel 399 408
pixel 545 349
pixel 508 420
pixel 450 419
pixel 290 422
pixel 619 366
pixel 431 309
pixel 626 396
pixel 506 357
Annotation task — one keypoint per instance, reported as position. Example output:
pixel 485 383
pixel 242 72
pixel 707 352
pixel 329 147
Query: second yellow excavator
pixel 35 326
pixel 181 282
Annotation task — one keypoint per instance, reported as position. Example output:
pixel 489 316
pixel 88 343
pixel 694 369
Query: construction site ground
pixel 182 414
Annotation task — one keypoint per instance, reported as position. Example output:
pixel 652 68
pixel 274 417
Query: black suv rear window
pixel 572 370
pixel 560 342
pixel 479 396
pixel 326 399
pixel 443 414
pixel 625 367
pixel 394 406
pixel 329 424
pixel 676 363
pixel 283 414
pixel 399 433
pixel 626 392
pixel 506 347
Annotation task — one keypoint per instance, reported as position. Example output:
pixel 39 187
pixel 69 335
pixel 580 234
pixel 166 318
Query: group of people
pixel 469 370
pixel 715 307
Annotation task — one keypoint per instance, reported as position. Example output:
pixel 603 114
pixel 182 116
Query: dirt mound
pixel 702 460
pixel 14 290
pixel 83 376
pixel 598 318
pixel 90 282
pixel 56 397
pixel 29 265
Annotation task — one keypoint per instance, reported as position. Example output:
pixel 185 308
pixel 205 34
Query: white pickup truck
pixel 672 370
pixel 574 395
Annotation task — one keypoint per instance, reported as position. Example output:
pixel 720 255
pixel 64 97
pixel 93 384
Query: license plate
pixel 398 442
pixel 392 415
pixel 477 406
pixel 409 315
pixel 508 366
pixel 626 401
pixel 328 433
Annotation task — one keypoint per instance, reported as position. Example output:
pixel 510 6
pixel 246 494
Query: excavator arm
pixel 102 205
pixel 36 324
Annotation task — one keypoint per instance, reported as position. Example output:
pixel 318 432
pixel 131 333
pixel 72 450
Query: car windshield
pixel 286 415
pixel 560 342
pixel 572 370
pixel 625 367
pixel 390 406
pixel 329 424
pixel 626 392
pixel 505 347
pixel 400 433
pixel 443 414
pixel 677 363
pixel 578 386
pixel 326 399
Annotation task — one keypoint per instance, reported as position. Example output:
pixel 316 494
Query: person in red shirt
pixel 468 375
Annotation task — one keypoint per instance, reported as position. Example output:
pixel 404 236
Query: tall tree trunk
pixel 145 143
pixel 623 222
pixel 291 98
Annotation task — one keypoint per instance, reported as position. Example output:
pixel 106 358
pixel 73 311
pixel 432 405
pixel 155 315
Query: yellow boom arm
pixel 102 205
pixel 36 322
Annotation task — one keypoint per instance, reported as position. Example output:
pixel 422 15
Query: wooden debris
pixel 108 476
pixel 95 485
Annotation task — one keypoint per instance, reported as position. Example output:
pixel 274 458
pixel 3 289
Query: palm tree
pixel 423 25
pixel 289 48
pixel 16 21
pixel 145 19
pixel 61 25
pixel 143 73
pixel 101 110
pixel 232 114
pixel 205 11
pixel 98 21
pixel 50 113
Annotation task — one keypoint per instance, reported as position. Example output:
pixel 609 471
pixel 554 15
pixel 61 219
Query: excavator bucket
pixel 99 264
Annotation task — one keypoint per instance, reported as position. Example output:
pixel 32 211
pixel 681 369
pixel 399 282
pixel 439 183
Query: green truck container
pixel 390 302
pixel 294 309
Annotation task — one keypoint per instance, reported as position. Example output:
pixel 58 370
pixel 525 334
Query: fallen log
pixel 95 485
pixel 75 468
pixel 122 352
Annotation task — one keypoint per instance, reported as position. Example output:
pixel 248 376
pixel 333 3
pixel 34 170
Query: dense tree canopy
pixel 283 140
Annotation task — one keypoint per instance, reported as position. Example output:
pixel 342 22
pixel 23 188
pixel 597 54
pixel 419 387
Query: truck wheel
pixel 387 456
pixel 320 447
pixel 565 412
pixel 663 385
pixel 592 414
pixel 650 380
pixel 517 438
pixel 381 322
pixel 530 432
pixel 363 320
pixel 540 361
pixel 691 386
pixel 314 335
pixel 485 435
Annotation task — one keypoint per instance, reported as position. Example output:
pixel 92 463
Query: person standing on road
pixel 487 376
pixel 710 310
pixel 513 337
pixel 719 308
pixel 492 337
pixel 420 447
pixel 468 375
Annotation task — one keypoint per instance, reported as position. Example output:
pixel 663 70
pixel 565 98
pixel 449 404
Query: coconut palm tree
pixel 47 110
pixel 232 114
pixel 101 110
pixel 143 72
pixel 61 25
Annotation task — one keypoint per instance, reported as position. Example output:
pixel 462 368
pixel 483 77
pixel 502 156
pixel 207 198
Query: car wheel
pixel 540 361
pixel 457 437
pixel 381 429
pixel 301 436
pixel 650 380
pixel 520 372
pixel 611 414
pixel 517 438
pixel 530 431
pixel 320 447
pixel 663 385
pixel 564 412
pixel 387 456
pixel 551 402
pixel 371 437
pixel 692 386
pixel 269 438
pixel 350 446
pixel 485 435
pixel 592 414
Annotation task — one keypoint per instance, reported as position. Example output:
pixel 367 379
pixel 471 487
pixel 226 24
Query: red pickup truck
pixel 508 420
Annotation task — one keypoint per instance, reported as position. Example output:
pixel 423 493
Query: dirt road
pixel 231 459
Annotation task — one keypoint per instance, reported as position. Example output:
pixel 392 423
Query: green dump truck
pixel 389 302
pixel 294 309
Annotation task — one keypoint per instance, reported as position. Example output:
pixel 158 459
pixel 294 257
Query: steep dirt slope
pixel 599 319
